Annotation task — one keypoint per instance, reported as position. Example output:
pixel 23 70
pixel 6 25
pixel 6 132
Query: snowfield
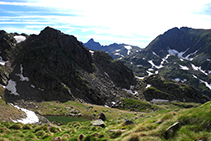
pixel 11 86
pixel 129 49
pixel 31 117
pixel 19 38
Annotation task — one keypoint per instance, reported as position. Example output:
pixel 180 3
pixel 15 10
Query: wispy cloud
pixel 110 21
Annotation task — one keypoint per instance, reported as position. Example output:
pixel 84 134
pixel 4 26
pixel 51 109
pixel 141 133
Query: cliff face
pixel 56 66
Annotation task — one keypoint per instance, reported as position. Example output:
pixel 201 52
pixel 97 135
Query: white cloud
pixel 132 19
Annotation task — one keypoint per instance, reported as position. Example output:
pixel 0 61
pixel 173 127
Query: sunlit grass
pixel 194 124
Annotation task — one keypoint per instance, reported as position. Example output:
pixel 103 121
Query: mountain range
pixel 54 66
pixel 116 51
pixel 180 54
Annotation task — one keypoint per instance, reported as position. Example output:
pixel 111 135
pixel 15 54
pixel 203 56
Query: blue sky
pixel 134 22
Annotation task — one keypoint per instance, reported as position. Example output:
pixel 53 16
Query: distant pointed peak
pixel 91 40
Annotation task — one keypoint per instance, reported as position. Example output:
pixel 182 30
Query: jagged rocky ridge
pixel 56 66
pixel 116 51
pixel 180 54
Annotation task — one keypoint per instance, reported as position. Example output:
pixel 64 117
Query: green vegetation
pixel 151 124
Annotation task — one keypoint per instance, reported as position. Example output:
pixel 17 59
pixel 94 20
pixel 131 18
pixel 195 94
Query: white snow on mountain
pixel 196 68
pixel 31 117
pixel 131 90
pixel 183 67
pixel 118 50
pixel 2 62
pixel 184 80
pixel 206 84
pixel 22 78
pixel 180 54
pixel 91 51
pixel 139 65
pixel 129 49
pixel 19 38
pixel 153 65
pixel 148 85
pixel 177 79
pixel 194 76
pixel 155 54
pixel 11 86
pixel 149 73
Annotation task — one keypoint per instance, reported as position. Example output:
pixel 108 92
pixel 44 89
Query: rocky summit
pixel 56 66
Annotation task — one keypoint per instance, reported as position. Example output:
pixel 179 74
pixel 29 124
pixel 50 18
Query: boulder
pixel 102 116
pixel 129 122
pixel 98 122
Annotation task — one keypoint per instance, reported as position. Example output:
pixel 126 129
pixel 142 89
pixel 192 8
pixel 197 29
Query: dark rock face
pixel 121 75
pixel 56 66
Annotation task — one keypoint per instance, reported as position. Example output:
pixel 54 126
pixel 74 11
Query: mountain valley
pixel 160 92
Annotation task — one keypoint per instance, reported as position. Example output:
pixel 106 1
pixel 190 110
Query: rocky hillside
pixel 56 66
pixel 116 51
pixel 182 55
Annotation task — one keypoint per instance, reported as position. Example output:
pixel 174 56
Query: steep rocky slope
pixel 180 54
pixel 56 66
pixel 116 51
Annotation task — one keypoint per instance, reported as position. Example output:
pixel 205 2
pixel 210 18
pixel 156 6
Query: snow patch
pixel 31 117
pixel 91 51
pixel 196 68
pixel 118 50
pixel 131 90
pixel 206 84
pixel 149 73
pixel 150 69
pixel 129 49
pixel 139 65
pixel 183 67
pixel 40 89
pixel 106 74
pixel 2 86
pixel 155 54
pixel 148 85
pixel 106 106
pixel 194 76
pixel 153 65
pixel 184 80
pixel 22 78
pixel 139 77
pixel 11 86
pixel 177 79
pixel 19 38
pixel 2 62
pixel 180 54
